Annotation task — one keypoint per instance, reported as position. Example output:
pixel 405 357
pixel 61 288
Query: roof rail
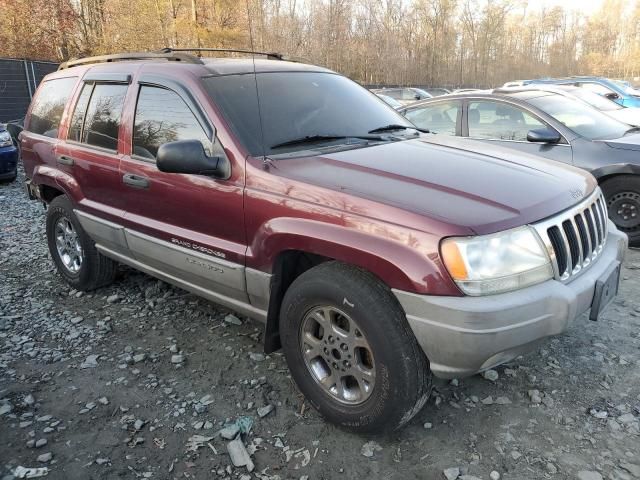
pixel 270 55
pixel 119 57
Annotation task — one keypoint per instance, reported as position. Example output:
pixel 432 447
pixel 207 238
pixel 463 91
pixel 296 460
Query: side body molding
pixel 230 284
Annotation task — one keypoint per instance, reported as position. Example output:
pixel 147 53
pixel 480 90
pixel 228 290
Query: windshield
pixel 296 105
pixel 582 119
pixel 597 101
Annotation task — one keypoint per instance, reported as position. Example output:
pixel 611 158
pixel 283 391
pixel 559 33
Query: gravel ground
pixel 143 380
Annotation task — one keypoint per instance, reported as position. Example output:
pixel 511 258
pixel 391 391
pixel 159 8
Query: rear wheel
pixel 622 194
pixel 351 351
pixel 73 251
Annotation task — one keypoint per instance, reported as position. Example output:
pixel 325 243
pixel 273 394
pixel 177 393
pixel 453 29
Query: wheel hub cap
pixel 337 354
pixel 624 209
pixel 68 245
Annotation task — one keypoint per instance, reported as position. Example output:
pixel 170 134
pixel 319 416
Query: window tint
pixel 500 121
pixel 596 88
pixel 77 121
pixel 103 116
pixel 438 118
pixel 48 106
pixel 162 117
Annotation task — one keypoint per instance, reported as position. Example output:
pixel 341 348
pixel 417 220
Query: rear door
pixel 507 124
pixel 187 226
pixel 91 155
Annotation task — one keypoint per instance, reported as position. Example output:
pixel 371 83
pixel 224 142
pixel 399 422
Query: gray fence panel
pixel 18 81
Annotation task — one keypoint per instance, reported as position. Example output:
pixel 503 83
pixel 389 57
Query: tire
pixel 356 301
pixel 622 194
pixel 93 270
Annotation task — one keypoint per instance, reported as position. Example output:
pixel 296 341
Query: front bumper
pixel 465 335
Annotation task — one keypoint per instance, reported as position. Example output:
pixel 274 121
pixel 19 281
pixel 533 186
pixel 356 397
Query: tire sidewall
pixel 620 184
pixel 61 207
pixel 393 371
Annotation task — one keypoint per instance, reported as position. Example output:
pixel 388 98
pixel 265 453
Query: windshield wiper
pixel 395 126
pixel 632 130
pixel 322 138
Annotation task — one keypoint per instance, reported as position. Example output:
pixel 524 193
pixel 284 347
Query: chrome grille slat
pixel 575 237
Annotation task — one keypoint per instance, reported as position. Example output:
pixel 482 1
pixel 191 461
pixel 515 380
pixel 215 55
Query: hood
pixel 630 116
pixel 628 142
pixel 461 182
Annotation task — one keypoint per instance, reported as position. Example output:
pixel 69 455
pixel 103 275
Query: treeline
pixel 426 42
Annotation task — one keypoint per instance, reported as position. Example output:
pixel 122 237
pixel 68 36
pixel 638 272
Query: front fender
pixel 616 169
pixel 403 259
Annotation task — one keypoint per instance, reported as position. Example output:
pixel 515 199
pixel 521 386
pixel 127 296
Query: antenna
pixel 265 162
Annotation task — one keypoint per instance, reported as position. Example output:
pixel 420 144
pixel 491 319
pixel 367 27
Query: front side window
pixel 437 118
pixel 500 121
pixel 163 117
pixel 48 106
pixel 104 112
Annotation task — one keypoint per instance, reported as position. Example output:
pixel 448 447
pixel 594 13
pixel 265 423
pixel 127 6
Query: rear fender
pixel 55 178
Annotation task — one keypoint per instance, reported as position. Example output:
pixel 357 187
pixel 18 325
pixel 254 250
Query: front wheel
pixel 351 351
pixel 622 194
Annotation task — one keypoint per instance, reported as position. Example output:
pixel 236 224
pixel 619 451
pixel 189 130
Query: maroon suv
pixel 375 254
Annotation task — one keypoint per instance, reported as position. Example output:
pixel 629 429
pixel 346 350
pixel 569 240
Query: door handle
pixel 64 160
pixel 136 181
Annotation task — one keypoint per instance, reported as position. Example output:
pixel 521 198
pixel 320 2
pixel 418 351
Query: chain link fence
pixel 18 82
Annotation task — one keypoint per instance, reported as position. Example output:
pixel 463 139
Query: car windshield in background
pixel 582 119
pixel 597 101
pixel 324 107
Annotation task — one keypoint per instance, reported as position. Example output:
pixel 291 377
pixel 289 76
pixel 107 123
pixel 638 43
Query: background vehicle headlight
pixel 5 139
pixel 496 263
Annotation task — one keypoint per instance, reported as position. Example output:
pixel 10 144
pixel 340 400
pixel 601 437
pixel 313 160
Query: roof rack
pixel 168 55
pixel 270 55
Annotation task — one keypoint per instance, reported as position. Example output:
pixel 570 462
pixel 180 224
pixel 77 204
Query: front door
pixel 190 227
pixel 507 125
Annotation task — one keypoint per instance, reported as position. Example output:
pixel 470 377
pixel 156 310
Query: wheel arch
pixel 603 174
pixel 52 183
pixel 303 244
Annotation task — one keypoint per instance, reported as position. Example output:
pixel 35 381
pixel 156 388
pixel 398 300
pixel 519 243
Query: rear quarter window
pixel 48 106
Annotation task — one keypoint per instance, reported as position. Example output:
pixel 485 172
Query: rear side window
pixel 162 117
pixel 97 115
pixel 48 106
pixel 102 120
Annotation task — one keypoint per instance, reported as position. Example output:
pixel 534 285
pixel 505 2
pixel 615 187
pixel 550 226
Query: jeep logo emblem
pixel 576 193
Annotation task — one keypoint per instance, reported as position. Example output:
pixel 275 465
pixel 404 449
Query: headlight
pixel 496 263
pixel 5 139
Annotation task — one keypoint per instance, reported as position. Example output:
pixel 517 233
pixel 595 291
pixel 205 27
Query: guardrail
pixel 18 82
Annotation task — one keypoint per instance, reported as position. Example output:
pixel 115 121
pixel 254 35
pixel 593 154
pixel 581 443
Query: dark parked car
pixel 437 91
pixel 374 255
pixel 404 95
pixel 553 126
pixel 8 156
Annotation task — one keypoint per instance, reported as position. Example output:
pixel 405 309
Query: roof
pixel 235 66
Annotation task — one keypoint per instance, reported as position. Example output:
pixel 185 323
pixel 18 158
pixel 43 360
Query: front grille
pixel 575 237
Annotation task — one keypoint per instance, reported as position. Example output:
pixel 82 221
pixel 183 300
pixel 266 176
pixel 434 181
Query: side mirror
pixel 543 135
pixel 188 156
pixel 612 95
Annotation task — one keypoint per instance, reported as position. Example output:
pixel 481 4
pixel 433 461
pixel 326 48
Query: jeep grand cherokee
pixel 375 255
